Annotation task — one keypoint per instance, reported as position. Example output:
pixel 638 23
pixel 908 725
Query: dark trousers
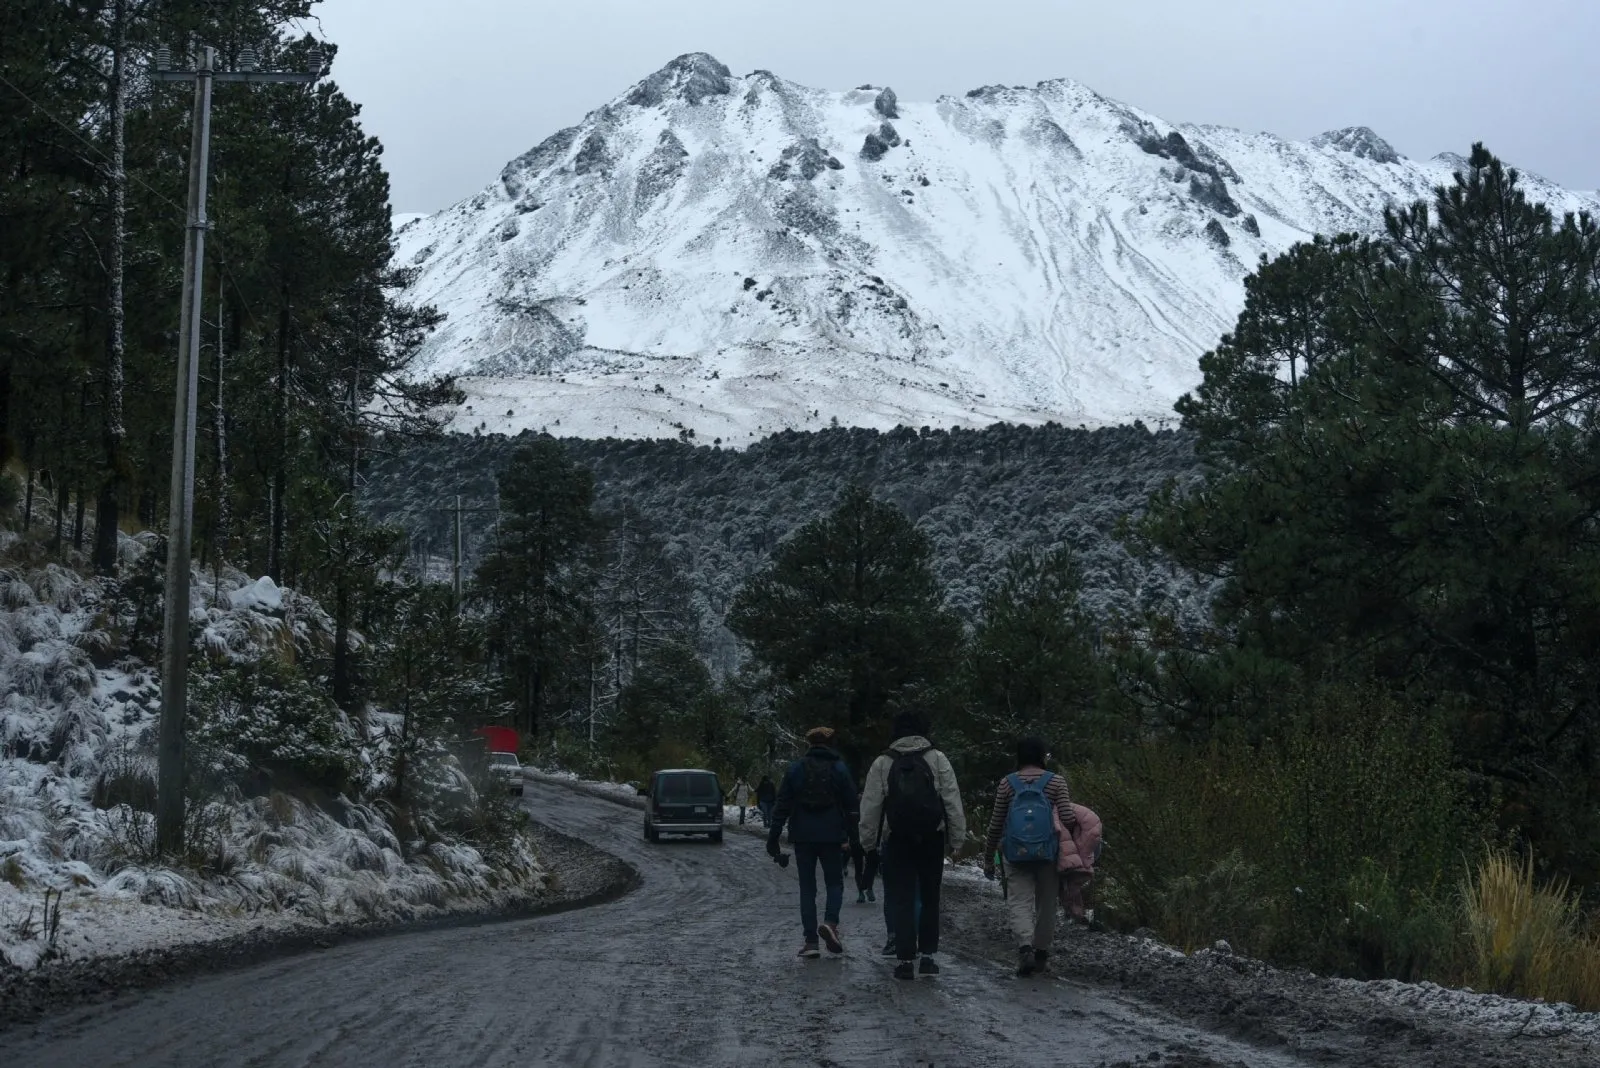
pixel 807 856
pixel 888 894
pixel 910 869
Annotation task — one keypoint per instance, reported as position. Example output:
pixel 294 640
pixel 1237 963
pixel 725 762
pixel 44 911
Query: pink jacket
pixel 1075 859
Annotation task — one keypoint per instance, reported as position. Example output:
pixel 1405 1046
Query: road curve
pixel 696 968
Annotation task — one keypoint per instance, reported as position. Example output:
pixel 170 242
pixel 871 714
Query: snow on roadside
pixel 77 720
pixel 1490 1011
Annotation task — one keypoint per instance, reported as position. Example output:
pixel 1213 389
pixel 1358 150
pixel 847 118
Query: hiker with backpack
pixel 741 797
pixel 911 794
pixel 817 802
pixel 1031 805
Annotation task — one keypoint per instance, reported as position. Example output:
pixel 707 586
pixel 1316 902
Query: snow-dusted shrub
pixel 266 723
pixel 156 886
pixel 127 776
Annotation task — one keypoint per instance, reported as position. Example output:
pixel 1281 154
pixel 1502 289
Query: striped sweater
pixel 1055 791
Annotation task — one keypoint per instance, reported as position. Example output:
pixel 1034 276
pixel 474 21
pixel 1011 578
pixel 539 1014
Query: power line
pixel 217 234
pixel 92 147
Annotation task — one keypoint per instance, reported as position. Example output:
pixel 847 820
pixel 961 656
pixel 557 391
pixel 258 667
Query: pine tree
pixel 1416 502
pixel 851 622
pixel 1031 664
pixel 535 586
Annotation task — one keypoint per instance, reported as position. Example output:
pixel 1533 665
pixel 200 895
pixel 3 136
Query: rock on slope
pixel 737 255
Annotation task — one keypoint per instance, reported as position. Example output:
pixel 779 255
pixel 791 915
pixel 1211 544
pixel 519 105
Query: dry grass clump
pixel 1526 939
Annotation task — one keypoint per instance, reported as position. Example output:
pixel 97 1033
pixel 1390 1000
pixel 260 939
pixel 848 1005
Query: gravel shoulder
pixel 1318 1019
pixel 581 876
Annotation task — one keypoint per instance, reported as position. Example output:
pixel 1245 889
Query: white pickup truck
pixel 508 770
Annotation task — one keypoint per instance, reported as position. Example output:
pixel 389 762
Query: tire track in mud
pixel 694 968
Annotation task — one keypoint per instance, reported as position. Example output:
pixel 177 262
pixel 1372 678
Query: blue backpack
pixel 1030 835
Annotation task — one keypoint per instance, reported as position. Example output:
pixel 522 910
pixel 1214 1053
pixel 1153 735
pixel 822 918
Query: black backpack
pixel 819 786
pixel 912 805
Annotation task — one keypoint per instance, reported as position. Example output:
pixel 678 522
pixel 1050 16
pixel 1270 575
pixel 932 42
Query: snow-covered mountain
pixel 736 255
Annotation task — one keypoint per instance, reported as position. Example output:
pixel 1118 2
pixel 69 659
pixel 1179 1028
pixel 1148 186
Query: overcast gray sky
pixel 455 89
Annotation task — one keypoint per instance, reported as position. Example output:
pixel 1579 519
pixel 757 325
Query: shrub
pixel 1324 846
pixel 10 493
pixel 1527 939
pixel 264 724
pixel 127 777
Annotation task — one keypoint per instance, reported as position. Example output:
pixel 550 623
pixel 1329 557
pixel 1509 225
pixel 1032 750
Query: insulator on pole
pixel 248 58
pixel 163 58
pixel 314 60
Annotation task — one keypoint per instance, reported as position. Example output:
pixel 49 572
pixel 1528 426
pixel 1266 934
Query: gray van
pixel 683 801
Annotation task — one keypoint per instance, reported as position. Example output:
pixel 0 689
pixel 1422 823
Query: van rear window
pixel 682 786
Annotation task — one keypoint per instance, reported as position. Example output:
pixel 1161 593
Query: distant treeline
pixel 978 494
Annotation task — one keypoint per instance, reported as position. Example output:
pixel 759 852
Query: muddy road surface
pixel 695 968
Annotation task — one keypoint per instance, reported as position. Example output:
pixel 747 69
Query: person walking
pixel 866 869
pixel 817 802
pixel 1030 805
pixel 741 797
pixel 911 790
pixel 766 799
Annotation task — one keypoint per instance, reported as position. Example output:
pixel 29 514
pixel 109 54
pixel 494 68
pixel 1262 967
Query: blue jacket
pixel 832 825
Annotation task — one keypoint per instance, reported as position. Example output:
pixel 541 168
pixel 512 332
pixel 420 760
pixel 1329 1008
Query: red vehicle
pixel 500 739
pixel 502 743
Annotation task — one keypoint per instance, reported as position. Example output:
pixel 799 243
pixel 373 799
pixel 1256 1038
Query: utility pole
pixel 180 529
pixel 458 552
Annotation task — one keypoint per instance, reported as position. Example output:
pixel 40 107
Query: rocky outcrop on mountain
pixel 1360 142
pixel 692 78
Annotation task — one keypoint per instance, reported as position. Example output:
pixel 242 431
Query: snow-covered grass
pixel 78 711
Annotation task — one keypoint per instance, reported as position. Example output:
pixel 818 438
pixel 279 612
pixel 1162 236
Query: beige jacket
pixel 877 788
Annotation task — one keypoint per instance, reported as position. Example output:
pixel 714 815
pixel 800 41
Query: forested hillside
pixel 978 494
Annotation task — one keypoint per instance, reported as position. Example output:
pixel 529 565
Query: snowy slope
pixel 736 255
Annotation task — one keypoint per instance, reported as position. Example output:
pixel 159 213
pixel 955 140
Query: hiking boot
pixel 889 949
pixel 830 937
pixel 861 897
pixel 1041 961
pixel 810 951
pixel 1027 962
pixel 929 966
pixel 905 970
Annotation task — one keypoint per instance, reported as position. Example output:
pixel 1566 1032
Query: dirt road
pixel 695 968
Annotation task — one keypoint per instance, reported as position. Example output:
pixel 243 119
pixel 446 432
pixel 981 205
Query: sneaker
pixel 870 895
pixel 1041 961
pixel 810 951
pixel 861 897
pixel 905 970
pixel 929 966
pixel 1027 961
pixel 889 949
pixel 830 937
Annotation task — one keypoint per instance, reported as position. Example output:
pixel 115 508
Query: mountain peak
pixel 691 77
pixel 1359 141
pixel 718 257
